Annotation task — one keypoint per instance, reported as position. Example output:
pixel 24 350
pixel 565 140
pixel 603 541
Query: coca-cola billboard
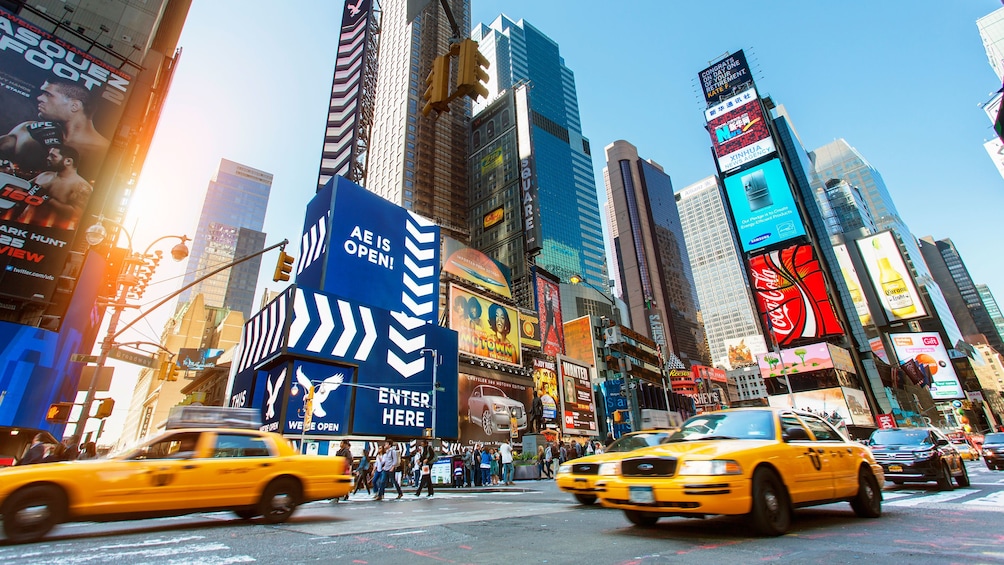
pixel 791 295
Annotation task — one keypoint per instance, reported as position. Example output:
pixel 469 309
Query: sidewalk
pixel 409 490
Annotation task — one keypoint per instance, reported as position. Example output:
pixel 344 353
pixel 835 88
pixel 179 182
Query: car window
pixel 790 421
pixel 743 424
pixel 175 446
pixel 635 441
pixel 994 438
pixel 239 445
pixel 822 430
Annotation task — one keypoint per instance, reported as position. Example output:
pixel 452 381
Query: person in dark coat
pixel 35 453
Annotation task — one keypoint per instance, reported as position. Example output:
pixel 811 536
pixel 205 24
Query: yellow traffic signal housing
pixel 105 407
pixel 59 412
pixel 437 95
pixel 163 366
pixel 172 371
pixel 470 75
pixel 283 267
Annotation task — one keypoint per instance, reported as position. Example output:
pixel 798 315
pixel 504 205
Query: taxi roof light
pixel 182 417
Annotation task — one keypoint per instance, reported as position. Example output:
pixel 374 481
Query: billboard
pixel 491 408
pixel 763 206
pixel 739 132
pixel 484 327
pixel 726 76
pixel 838 405
pixel 191 359
pixel 475 267
pixel 577 407
pixel 552 332
pixel 59 108
pixel 853 282
pixel 527 173
pixel 529 330
pixel 545 382
pixel 806 358
pixel 359 246
pixel 791 295
pixel 890 277
pixel 742 351
pixel 703 374
pixel 925 353
pixel 579 340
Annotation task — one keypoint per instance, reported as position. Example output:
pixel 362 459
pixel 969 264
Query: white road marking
pixel 407 533
pixel 995 499
pixel 932 499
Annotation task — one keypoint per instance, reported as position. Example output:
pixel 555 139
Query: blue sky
pixel 900 81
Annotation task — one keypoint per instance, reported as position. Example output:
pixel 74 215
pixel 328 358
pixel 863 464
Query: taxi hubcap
pixel 770 500
pixel 33 515
pixel 281 502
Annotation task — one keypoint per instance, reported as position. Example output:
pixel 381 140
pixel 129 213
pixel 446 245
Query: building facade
pixel 233 215
pixel 990 303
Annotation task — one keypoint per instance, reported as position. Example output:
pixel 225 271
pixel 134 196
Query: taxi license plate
pixel 641 495
pixel 895 468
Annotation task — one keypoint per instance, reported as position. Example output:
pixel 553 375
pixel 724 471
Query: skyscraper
pixel 651 254
pixel 992 307
pixel 726 304
pixel 230 225
pixel 571 234
pixel 419 162
pixel 991 28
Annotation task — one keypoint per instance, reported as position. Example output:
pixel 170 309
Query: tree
pixel 801 354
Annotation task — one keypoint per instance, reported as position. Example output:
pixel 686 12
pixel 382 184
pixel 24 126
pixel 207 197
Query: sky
pixel 901 81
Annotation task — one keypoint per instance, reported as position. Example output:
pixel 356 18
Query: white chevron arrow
pixel 405 369
pixel 427 254
pixel 428 237
pixel 369 337
pixel 327 324
pixel 415 288
pixel 421 220
pixel 406 321
pixel 348 332
pixel 420 272
pixel 301 319
pixel 416 308
pixel 406 345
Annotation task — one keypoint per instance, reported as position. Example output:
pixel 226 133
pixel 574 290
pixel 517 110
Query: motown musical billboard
pixel 485 328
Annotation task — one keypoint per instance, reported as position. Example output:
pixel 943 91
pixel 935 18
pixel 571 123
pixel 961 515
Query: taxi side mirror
pixel 795 433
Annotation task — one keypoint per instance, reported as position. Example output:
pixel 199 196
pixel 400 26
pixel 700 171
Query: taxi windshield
pixel 753 424
pixel 636 441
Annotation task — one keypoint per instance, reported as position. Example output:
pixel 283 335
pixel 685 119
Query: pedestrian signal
pixel 59 412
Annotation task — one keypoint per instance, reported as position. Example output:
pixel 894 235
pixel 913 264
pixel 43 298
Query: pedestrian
pixel 428 458
pixel 35 453
pixel 562 453
pixel 363 473
pixel 72 445
pixel 416 466
pixel 549 460
pixel 379 472
pixel 495 467
pixel 609 440
pixel 54 453
pixel 345 451
pixel 540 462
pixel 88 451
pixel 505 457
pixel 468 459
pixel 598 448
pixel 393 459
pixel 486 466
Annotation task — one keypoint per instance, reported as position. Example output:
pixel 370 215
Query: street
pixel 535 523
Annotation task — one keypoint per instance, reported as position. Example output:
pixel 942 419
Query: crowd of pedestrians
pixel 70 449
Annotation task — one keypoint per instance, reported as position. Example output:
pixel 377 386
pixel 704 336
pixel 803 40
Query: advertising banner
pixel 839 405
pixel 328 413
pixel 490 408
pixel 529 330
pixel 812 357
pixel 763 206
pixel 552 332
pixel 579 340
pixel 475 267
pixel 726 76
pixel 738 131
pixel 853 282
pixel 191 359
pixel 925 353
pixel 545 382
pixel 59 108
pixel 484 327
pixel 791 295
pixel 743 350
pixel 529 185
pixel 702 374
pixel 577 406
pixel 890 277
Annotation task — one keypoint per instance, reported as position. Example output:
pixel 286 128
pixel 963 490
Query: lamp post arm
pixel 183 239
pixel 282 243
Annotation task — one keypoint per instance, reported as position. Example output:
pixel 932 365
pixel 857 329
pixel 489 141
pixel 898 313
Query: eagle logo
pixel 273 390
pixel 327 386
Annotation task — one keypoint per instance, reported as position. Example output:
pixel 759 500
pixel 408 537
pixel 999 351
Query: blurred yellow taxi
pixel 196 465
pixel 578 476
pixel 757 462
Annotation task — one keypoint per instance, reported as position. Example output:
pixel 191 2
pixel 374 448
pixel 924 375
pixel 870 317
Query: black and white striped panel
pixel 262 334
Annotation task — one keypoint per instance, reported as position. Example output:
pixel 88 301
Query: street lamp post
pixel 435 385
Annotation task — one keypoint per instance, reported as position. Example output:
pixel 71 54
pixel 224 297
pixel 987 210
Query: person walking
pixel 486 466
pixel 345 451
pixel 35 453
pixel 393 459
pixel 496 468
pixel 363 473
pixel 468 467
pixel 540 462
pixel 505 457
pixel 379 473
pixel 548 460
pixel 88 450
pixel 428 457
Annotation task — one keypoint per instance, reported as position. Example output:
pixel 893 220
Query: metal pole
pixel 435 384
pixel 106 347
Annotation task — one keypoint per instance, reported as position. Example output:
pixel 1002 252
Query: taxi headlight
pixel 563 469
pixel 716 467
pixel 610 468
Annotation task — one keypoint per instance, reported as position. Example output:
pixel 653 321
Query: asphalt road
pixel 536 523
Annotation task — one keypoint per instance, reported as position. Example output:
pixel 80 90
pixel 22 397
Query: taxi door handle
pixel 266 464
pixel 190 467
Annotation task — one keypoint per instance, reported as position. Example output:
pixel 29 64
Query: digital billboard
pixel 475 267
pixel 579 340
pixel 839 404
pixel 890 277
pixel 552 332
pixel 484 327
pixel 803 359
pixel 763 206
pixel 853 282
pixel 59 108
pixel 577 407
pixel 529 330
pixel 739 132
pixel 791 295
pixel 492 408
pixel 545 382
pixel 724 77
pixel 742 351
pixel 925 353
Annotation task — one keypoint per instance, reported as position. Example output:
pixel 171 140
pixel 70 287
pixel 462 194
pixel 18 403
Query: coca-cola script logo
pixel 791 295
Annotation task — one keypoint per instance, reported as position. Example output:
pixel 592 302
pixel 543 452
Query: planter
pixel 526 472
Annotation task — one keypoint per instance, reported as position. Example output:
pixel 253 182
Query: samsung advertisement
pixel 763 206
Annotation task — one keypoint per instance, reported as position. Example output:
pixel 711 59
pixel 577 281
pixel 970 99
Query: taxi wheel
pixel 945 480
pixel 771 514
pixel 32 512
pixel 586 499
pixel 279 500
pixel 643 519
pixel 868 502
pixel 963 479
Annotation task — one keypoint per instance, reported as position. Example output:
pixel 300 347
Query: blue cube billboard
pixel 763 206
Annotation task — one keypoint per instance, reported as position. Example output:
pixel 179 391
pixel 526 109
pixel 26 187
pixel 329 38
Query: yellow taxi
pixel 207 460
pixel 578 476
pixel 757 462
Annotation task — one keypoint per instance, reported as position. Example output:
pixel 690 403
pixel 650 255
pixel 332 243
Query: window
pixel 822 430
pixel 235 445
pixel 176 446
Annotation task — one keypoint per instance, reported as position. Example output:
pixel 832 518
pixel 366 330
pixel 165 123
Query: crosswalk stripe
pixel 931 499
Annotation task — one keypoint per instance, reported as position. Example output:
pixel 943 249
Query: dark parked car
pixel 918 455
pixel 993 450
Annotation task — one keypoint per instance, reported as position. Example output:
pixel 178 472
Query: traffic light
pixel 470 75
pixel 618 416
pixel 283 267
pixel 163 365
pixel 105 407
pixel 172 371
pixel 59 412
pixel 437 95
